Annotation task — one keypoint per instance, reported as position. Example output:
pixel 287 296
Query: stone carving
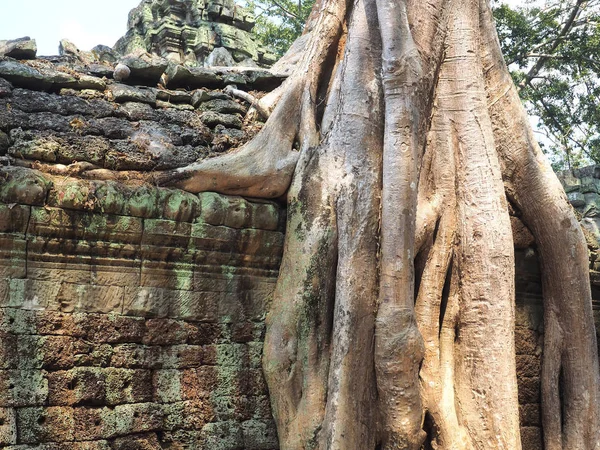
pixel 187 31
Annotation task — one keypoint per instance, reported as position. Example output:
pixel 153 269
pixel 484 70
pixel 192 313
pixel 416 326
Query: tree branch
pixel 565 30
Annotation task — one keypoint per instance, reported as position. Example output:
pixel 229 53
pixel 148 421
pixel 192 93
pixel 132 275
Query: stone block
pixel 33 295
pixel 60 352
pixel 213 119
pixel 167 275
pixel 531 438
pixel 36 425
pixel 200 383
pixel 576 199
pixel 89 423
pixel 128 386
pixel 51 267
pixel 112 328
pixel 133 418
pixel 166 233
pixel 5 88
pixel 31 351
pixel 197 77
pixel 255 352
pixel 57 323
pixel 234 355
pixel 117 274
pixel 204 333
pixel 529 316
pixel 14 218
pixel 256 384
pixel 181 206
pixel 123 93
pixel 166 386
pixel 530 414
pixel 23 75
pixel 145 302
pixel 93 355
pixel 17 321
pixel 182 356
pixel 527 341
pixel 197 413
pixel 13 254
pixel 265 216
pixel 223 436
pixel 231 408
pixel 134 356
pixel 23 186
pixel 94 299
pixel 214 208
pixel 165 332
pixel 9 354
pixel 8 427
pixel 19 388
pixel 192 305
pixel 4 292
pixel 238 212
pixel 260 407
pixel 259 435
pixel 528 366
pixel 529 390
pixel 147 441
pixel 79 386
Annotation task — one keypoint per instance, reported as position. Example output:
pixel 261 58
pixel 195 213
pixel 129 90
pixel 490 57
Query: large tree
pixel 399 141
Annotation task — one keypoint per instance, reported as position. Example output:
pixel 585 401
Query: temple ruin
pixel 132 316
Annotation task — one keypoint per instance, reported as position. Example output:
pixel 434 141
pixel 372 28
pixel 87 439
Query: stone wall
pixel 131 316
pixel 136 327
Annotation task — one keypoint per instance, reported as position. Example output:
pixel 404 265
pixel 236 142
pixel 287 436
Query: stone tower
pixel 188 31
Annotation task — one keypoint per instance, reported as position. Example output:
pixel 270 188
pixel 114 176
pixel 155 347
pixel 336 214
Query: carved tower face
pixel 188 31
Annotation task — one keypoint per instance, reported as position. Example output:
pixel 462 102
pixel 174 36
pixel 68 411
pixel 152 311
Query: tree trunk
pixel 393 317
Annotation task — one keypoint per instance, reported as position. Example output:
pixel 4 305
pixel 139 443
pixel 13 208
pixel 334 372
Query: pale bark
pixel 321 334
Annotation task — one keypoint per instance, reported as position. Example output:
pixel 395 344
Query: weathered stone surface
pixel 23 75
pixel 5 88
pixel 220 57
pixel 222 106
pixel 25 187
pixel 172 96
pixel 187 32
pixel 212 119
pixel 23 48
pixel 87 352
pixel 144 66
pixel 104 53
pixel 123 93
pixel 68 48
pixel 531 438
pixel 192 77
pixel 4 143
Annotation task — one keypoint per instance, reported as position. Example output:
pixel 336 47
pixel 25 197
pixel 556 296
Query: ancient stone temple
pixel 133 316
pixel 188 31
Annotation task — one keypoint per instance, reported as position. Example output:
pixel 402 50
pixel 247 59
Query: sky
pixel 86 23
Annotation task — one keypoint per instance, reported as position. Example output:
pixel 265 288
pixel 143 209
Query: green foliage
pixel 552 50
pixel 280 22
